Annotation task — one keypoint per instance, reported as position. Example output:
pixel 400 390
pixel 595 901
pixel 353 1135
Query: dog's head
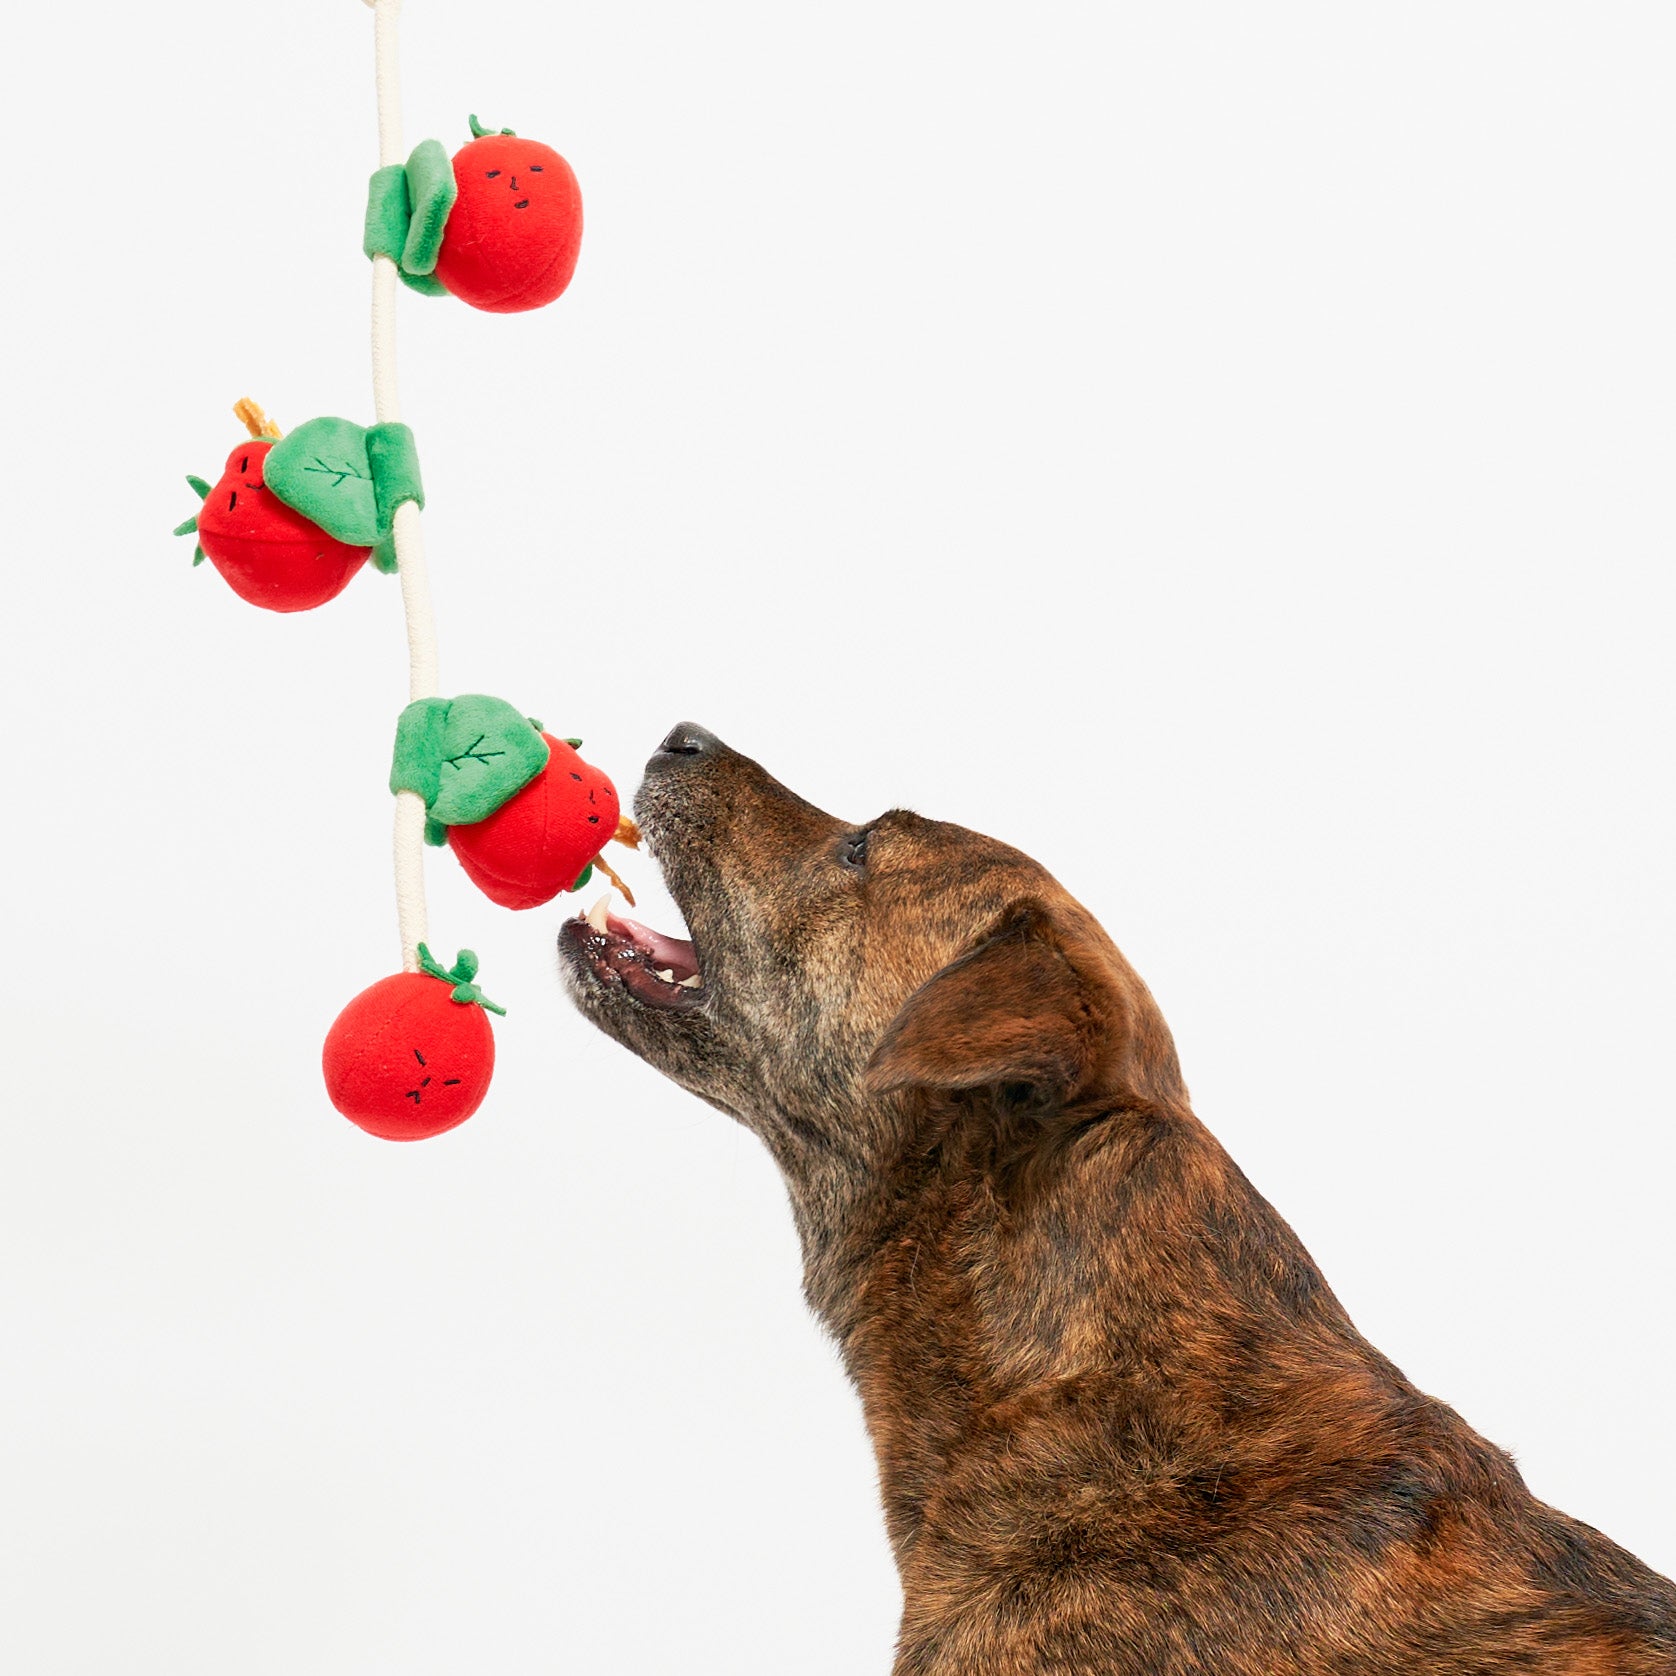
pixel 839 976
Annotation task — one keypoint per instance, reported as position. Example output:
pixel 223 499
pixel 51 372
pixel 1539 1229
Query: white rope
pixel 410 547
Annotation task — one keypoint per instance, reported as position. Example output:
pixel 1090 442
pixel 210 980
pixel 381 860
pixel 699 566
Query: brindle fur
pixel 1123 1425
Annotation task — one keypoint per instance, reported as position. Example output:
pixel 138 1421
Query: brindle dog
pixel 1123 1425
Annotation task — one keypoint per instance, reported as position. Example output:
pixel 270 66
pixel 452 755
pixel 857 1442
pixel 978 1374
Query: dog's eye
pixel 853 851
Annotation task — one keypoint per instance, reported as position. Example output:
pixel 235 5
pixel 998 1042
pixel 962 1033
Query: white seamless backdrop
pixel 1225 450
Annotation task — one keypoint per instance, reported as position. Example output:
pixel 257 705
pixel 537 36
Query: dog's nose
pixel 684 741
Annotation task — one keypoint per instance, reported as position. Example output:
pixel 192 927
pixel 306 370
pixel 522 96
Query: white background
pixel 1225 450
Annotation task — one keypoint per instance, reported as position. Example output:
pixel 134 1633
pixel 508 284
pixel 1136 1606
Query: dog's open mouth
pixel 658 971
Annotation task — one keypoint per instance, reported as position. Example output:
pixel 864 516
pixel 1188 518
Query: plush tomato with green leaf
pixel 542 839
pixel 268 553
pixel 515 228
pixel 412 1056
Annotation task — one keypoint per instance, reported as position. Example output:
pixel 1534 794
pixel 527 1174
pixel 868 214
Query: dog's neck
pixel 989 1295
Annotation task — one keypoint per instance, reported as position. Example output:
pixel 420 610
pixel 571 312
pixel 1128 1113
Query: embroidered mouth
pixel 657 970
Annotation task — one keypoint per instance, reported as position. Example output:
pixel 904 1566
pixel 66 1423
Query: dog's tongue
pixel 666 952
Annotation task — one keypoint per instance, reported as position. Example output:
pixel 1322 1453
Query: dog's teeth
pixel 596 914
pixel 667 974
pixel 694 982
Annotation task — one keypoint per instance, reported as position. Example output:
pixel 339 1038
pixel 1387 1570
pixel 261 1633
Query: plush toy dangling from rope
pixel 526 816
pixel 286 528
pixel 498 226
pixel 412 1056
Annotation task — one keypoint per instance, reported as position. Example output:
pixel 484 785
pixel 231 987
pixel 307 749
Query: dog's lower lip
pixel 635 957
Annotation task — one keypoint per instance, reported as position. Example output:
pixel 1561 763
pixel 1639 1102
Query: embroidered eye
pixel 493 173
pixel 536 168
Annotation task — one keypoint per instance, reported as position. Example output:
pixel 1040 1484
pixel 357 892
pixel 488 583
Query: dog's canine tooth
pixel 667 974
pixel 595 916
pixel 694 982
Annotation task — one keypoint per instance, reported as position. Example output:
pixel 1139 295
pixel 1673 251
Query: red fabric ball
pixel 539 840
pixel 405 1061
pixel 269 554
pixel 515 228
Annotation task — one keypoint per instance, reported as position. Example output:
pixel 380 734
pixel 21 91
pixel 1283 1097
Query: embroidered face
pixel 240 506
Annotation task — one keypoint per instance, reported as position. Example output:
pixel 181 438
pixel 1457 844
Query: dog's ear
pixel 1009 1010
pixel 1019 1010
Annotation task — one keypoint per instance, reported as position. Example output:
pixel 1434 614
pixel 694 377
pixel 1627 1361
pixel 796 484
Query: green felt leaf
pixel 427 285
pixel 459 975
pixel 468 994
pixel 394 462
pixel 489 752
pixel 198 554
pixel 322 471
pixel 384 231
pixel 188 527
pixel 199 485
pixel 431 191
pixel 478 131
pixel 417 761
pixel 583 877
pixel 465 756
pixel 384 556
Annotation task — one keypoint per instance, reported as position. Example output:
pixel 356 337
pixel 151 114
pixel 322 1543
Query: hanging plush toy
pixel 527 851
pixel 526 816
pixel 499 226
pixel 294 517
pixel 412 1056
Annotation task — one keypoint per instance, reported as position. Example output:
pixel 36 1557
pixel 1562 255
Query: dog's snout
pixel 684 742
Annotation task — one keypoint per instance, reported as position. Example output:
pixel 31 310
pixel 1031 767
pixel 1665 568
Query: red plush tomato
pixel 515 228
pixel 539 840
pixel 412 1056
pixel 269 554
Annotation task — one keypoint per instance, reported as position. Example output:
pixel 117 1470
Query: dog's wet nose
pixel 685 740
